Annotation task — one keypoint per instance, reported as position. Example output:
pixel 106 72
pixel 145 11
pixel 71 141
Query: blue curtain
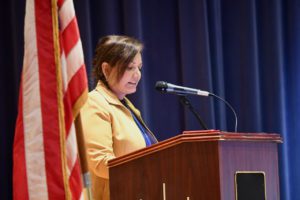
pixel 244 51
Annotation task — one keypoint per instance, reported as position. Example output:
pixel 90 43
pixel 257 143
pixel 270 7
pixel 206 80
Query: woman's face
pixel 130 79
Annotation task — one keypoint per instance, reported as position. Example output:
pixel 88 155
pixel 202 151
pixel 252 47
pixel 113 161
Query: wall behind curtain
pixel 244 51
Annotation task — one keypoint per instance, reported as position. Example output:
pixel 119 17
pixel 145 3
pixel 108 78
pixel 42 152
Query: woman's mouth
pixel 132 83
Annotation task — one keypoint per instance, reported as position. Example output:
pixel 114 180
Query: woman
pixel 111 124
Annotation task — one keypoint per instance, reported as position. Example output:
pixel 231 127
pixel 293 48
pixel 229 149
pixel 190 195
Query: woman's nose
pixel 137 73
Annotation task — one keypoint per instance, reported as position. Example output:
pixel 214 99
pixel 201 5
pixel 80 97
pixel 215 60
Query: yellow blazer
pixel 110 131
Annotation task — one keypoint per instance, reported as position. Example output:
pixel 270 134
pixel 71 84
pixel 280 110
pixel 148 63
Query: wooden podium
pixel 196 165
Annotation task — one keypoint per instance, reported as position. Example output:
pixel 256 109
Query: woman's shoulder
pixel 95 108
pixel 96 104
pixel 96 98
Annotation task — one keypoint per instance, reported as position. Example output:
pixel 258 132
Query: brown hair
pixel 117 51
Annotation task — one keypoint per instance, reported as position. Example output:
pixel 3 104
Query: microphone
pixel 165 87
pixel 179 90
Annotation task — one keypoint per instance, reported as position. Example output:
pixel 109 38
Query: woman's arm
pixel 96 122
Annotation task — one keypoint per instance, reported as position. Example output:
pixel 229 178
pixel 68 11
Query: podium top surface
pixel 197 136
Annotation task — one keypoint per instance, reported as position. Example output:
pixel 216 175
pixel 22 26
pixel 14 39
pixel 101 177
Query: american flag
pixel 53 88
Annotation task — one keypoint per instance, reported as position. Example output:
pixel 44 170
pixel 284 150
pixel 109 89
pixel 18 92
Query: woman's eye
pixel 132 68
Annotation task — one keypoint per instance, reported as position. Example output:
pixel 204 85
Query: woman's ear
pixel 106 69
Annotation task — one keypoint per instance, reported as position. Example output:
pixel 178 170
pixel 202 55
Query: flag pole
pixel 82 156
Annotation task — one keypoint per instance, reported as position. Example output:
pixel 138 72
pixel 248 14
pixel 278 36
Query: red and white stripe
pixel 74 77
pixel 38 169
